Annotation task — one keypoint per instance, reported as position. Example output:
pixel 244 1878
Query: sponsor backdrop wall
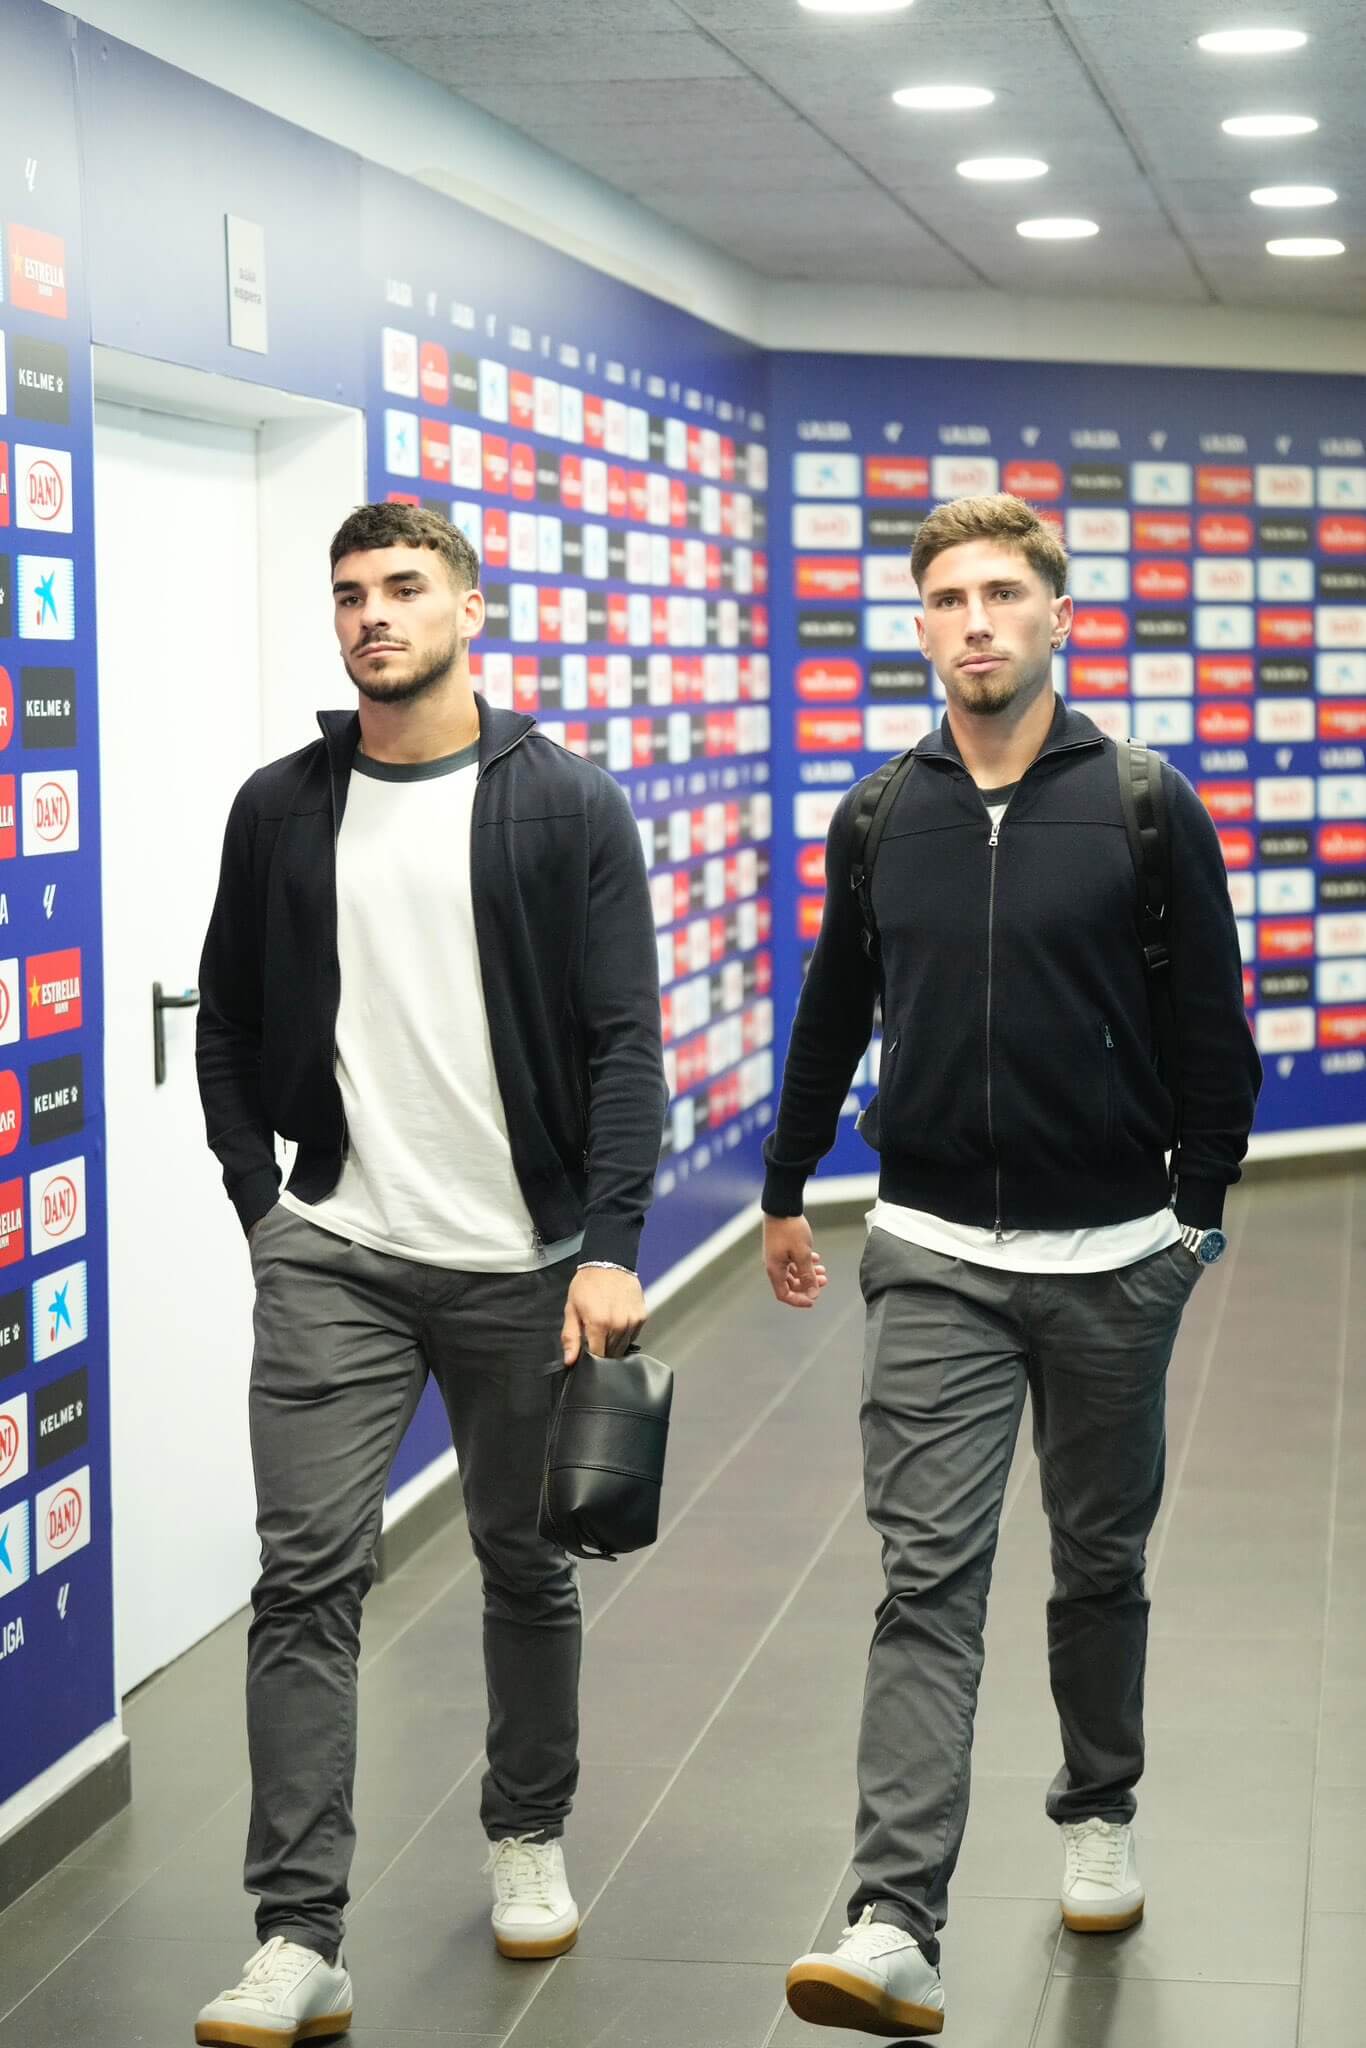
pixel 1217 528
pixel 56 1637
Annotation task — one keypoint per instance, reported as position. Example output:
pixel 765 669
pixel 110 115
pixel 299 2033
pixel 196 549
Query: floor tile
pixel 1246 1928
pixel 615 2004
pixel 1095 2012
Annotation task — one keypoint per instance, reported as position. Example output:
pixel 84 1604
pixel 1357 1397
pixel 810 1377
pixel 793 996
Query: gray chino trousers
pixel 345 1339
pixel 951 1350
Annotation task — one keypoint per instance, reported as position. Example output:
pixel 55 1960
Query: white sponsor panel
pixel 467 459
pixel 816 474
pixel 41 490
pixel 1283 892
pixel 892 728
pixel 638 434
pixel 1340 675
pixel 756 466
pixel 1340 981
pixel 888 576
pixel 675 444
pixel 889 628
pixel 1114 720
pixel 399 371
pixel 638 561
pixel 1284 483
pixel 62 1519
pixel 1283 797
pixel 710 521
pixel 812 811
pixel 1340 625
pixel 493 390
pixel 1284 580
pixel 640 618
pixel 574 632
pixel 1340 488
pixel 1224 579
pixel 571 413
pixel 965 476
pixel 1164 725
pixel 1098 577
pixel 1289 1030
pixel 1284 720
pixel 1161 483
pixel 1242 894
pixel 524 613
pixel 711 451
pixel 546 406
pixel 523 550
pixel 1340 933
pixel 1246 932
pixel 595 553
pixel 1097 530
pixel 594 484
pixel 549 544
pixel 1162 675
pixel 11 1003
pixel 620 751
pixel 47 597
pixel 15 1560
pixel 615 427
pixel 657 498
pixel 400 443
pixel 1220 626
pixel 468 518
pixel 56 1202
pixel 52 810
pixel 574 667
pixel 13 1439
pixel 498 681
pixel 1342 796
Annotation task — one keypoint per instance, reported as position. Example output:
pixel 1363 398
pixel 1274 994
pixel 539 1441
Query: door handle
pixel 160 1004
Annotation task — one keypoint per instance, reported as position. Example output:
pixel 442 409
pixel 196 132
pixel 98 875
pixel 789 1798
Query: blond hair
pixel 1003 518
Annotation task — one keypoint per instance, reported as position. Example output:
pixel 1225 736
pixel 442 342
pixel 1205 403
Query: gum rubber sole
pixel 1101 1923
pixel 536 1951
pixel 238 2034
pixel 825 1996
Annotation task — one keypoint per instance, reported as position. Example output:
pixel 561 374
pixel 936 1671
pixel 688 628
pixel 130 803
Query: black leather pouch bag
pixel 604 1454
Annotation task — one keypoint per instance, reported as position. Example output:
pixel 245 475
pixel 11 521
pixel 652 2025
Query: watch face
pixel 1213 1245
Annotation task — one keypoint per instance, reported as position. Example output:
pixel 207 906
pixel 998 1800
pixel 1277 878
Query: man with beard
pixel 431 963
pixel 1028 1234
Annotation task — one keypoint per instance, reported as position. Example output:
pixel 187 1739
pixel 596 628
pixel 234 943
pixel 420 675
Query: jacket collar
pixel 1070 729
pixel 498 730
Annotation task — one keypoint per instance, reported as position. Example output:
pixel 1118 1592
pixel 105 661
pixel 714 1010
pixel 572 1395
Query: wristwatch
pixel 1205 1246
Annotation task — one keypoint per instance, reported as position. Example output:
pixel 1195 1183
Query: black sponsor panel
pixel 465 383
pixel 616 556
pixel 497 610
pixel 49 706
pixel 1280 849
pixel 656 437
pixel 56 1099
pixel 597 616
pixel 1285 676
pixel 746 626
pixel 1283 536
pixel 1284 985
pixel 640 680
pixel 13 1331
pixel 694 506
pixel 41 386
pixel 547 478
pixel 713 635
pixel 1162 629
pixel 828 629
pixel 552 685
pixel 597 744
pixel 728 569
pixel 1342 579
pixel 697 745
pixel 571 549
pixel 6 599
pixel 887 530
pixel 441 507
pixel 760 533
pixel 899 679
pixel 61 1420
pixel 1098 483
pixel 1342 888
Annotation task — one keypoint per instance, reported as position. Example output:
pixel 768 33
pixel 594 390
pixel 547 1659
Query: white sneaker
pixel 287 1994
pixel 877 1980
pixel 533 1910
pixel 1101 1888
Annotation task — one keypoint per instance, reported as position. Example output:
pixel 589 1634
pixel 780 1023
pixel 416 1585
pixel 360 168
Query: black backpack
pixel 1144 804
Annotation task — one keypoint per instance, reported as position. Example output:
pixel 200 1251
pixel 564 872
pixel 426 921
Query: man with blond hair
pixel 1029 1235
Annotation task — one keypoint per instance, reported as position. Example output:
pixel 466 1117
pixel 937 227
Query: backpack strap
pixel 1143 801
pixel 871 812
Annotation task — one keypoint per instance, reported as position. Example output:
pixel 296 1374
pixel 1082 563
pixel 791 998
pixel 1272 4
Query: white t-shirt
pixel 428 1172
pixel 1101 1250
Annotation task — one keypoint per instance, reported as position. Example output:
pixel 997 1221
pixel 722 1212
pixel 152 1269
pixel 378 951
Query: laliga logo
pixel 1158 439
pixel 1284 444
pixel 892 430
pixel 1285 1066
pixel 1030 436
pixel 1284 756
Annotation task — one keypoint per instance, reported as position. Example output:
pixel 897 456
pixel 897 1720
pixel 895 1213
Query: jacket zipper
pixel 336 950
pixel 1109 1086
pixel 993 843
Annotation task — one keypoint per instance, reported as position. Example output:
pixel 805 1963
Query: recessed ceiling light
pixel 1252 42
pixel 1002 169
pixel 1056 230
pixel 1270 124
pixel 1293 195
pixel 935 99
pixel 1306 245
pixel 854 6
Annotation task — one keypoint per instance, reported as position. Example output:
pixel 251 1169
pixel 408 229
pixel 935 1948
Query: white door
pixel 176 528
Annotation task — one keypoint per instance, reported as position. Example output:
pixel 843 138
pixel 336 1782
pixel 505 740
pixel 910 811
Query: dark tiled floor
pixel 721 1696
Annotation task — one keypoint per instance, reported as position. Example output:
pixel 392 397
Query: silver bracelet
pixel 604 1266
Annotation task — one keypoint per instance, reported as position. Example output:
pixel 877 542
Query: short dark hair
pixel 399 526
pixel 1002 517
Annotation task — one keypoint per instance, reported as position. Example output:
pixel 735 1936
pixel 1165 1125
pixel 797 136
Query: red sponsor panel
pixel 522 471
pixel 1224 533
pixel 1344 720
pixel 53 990
pixel 829 576
pixel 1227 800
pixel 695 450
pixel 1285 938
pixel 758 621
pixel 721 734
pixel 1343 1024
pixel 496 464
pixel 732 824
pixel 682 897
pixel 37 272
pixel 1054 521
pixel 1285 626
pixel 496 537
pixel 597 682
pixel 1249 988
pixel 760 573
pixel 521 400
pixel 659 621
pixel 402 498
pixel 829 682
pixel 727 459
pixel 1343 533
pixel 618 619
pixel 1157 580
pixel 11 1222
pixel 1225 675
pixel 764 910
pixel 697 826
pixel 1239 847
pixel 1033 480
pixel 1099 626
pixel 1224 725
pixel 526 683
pixel 896 476
pixel 666 1016
pixel 6 709
pixel 829 732
pixel 436 452
pixel 434 374
pixel 594 422
pixel 728 515
pixel 11 1112
pixel 678 564
pixel 618 494
pixel 809 912
pixel 1164 533
pixel 1342 845
pixel 810 867
pixel 643 744
pixel 763 973
pixel 571 482
pixel 1095 678
pixel 733 890
pixel 551 612
pixel 678 502
pixel 716 936
pixel 1215 485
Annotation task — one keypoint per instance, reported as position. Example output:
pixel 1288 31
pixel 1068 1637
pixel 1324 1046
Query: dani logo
pixel 57 1205
pixel 13 1439
pixel 52 819
pixel 42 488
pixel 63 1518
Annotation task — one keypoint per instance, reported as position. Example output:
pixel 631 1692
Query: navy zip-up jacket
pixel 1019 1086
pixel 567 958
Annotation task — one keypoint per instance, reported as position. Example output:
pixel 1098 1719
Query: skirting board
pixel 90 1786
